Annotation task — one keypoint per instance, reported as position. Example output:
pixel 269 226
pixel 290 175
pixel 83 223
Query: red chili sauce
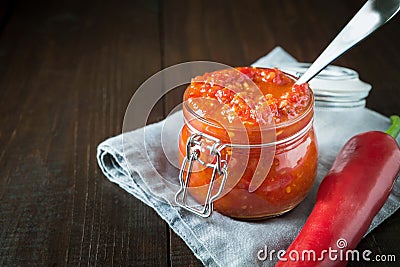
pixel 224 98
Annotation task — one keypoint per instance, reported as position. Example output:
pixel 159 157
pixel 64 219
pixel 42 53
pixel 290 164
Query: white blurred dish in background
pixel 335 86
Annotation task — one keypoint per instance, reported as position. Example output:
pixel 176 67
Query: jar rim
pixel 289 122
pixel 287 139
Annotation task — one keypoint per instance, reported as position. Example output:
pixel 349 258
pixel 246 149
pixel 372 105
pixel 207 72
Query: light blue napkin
pixel 136 161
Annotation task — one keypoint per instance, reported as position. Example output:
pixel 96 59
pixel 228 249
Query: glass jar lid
pixel 335 86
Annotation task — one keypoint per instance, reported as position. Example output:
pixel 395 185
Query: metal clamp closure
pixel 218 165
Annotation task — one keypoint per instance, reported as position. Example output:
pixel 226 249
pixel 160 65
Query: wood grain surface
pixel 67 72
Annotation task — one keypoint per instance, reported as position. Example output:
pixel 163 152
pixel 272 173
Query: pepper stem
pixel 394 129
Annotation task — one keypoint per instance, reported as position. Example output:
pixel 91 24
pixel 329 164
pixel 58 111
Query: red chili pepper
pixel 352 193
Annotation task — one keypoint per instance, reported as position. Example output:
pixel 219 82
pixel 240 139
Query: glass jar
pixel 246 172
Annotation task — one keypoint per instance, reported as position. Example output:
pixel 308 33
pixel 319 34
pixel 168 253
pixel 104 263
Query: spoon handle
pixel 371 16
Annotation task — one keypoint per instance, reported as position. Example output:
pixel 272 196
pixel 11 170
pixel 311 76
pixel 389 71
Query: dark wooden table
pixel 67 72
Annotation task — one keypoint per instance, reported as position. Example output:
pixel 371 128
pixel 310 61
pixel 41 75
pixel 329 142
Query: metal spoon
pixel 370 17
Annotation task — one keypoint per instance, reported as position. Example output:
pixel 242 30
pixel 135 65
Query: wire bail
pixel 219 168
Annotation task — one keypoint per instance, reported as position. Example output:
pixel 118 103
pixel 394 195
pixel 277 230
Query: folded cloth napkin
pixel 137 162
